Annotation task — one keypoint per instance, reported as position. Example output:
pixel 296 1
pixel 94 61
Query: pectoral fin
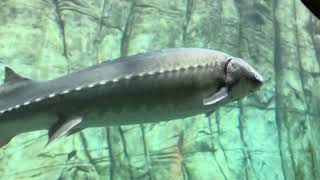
pixel 216 97
pixel 74 131
pixel 62 128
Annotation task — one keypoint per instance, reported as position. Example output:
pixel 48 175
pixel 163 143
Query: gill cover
pixel 222 92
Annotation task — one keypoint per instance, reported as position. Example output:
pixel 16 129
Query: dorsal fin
pixel 11 77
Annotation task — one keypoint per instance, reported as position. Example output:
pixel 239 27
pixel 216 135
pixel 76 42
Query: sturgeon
pixel 148 87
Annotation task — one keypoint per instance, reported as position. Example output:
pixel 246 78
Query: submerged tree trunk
pixel 272 134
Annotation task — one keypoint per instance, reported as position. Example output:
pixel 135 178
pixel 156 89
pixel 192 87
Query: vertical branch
pixel 313 158
pixel 212 148
pixel 217 121
pixel 61 24
pixel 100 35
pixel 301 74
pixel 299 58
pixel 85 148
pixel 124 47
pixel 124 143
pixel 146 153
pixel 102 15
pixel 186 21
pixel 211 133
pixel 312 31
pixel 278 79
pixel 245 152
pixel 316 45
pixel 180 152
pixel 111 155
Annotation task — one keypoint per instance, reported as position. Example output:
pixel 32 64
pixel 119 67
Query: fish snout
pixel 248 71
pixel 256 78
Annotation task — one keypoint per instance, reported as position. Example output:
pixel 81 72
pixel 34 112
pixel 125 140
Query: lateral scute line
pixel 104 82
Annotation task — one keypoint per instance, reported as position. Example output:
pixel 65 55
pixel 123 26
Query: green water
pixel 272 134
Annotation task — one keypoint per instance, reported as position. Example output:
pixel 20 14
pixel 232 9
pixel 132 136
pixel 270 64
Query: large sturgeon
pixel 148 87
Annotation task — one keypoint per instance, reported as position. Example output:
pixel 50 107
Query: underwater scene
pixel 159 90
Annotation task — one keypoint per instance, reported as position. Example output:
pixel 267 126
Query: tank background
pixel 273 134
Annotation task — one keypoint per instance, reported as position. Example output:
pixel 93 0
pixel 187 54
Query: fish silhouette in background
pixel 143 88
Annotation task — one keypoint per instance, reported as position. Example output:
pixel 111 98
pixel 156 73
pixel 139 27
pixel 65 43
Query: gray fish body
pixel 143 88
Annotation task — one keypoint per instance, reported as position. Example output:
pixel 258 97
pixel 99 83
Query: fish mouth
pixel 258 77
pixel 258 80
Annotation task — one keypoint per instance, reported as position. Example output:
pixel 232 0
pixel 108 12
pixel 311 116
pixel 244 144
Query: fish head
pixel 241 79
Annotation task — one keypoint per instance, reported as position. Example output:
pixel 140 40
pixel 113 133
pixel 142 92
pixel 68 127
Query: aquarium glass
pixel 272 134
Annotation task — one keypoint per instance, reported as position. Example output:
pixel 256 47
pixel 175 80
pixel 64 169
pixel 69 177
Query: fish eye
pixel 226 66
